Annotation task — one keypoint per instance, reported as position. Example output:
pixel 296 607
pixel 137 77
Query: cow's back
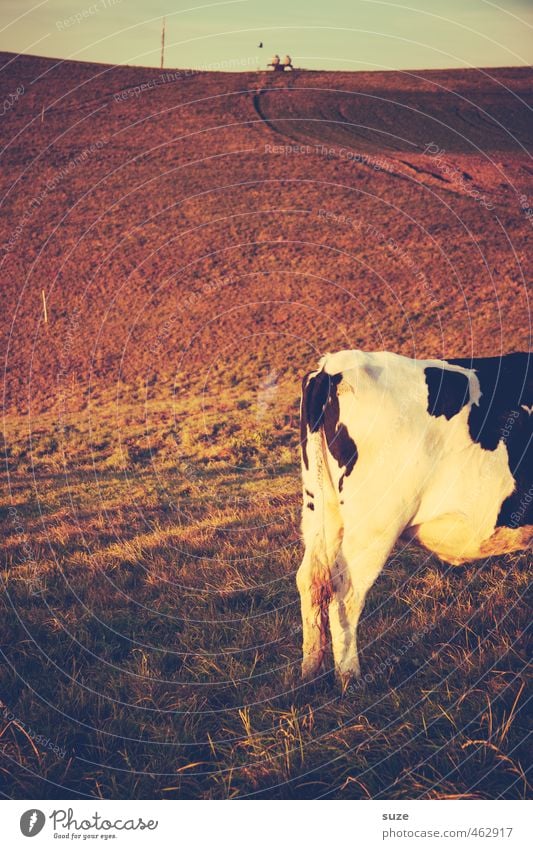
pixel 442 446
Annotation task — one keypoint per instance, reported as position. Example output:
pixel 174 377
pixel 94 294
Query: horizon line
pixel 215 70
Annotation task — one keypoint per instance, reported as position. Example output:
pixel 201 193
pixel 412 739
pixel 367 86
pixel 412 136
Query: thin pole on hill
pixel 45 311
pixel 163 43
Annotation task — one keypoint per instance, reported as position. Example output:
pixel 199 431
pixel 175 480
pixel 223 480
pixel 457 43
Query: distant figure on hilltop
pixel 278 65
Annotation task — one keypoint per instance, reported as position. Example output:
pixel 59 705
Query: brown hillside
pixel 179 241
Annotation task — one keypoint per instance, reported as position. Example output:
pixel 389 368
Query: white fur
pixel 416 475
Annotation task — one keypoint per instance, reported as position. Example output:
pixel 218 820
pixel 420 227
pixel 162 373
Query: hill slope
pixel 223 223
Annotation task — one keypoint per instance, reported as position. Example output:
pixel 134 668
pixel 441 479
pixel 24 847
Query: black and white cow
pixel 440 451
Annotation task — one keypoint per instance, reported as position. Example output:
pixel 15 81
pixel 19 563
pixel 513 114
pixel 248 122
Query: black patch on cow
pixel 320 408
pixel 517 509
pixel 506 386
pixel 310 494
pixel 310 505
pixel 344 450
pixel 316 396
pixel 303 421
pixel 449 391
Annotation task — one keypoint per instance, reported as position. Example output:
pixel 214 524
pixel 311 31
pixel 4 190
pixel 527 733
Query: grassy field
pixel 198 252
pixel 150 629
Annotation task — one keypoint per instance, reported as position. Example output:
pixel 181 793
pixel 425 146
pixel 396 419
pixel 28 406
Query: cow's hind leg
pixel 322 535
pixel 359 562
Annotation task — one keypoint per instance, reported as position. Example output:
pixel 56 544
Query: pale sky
pixel 347 34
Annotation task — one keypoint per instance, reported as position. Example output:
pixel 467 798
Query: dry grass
pixel 155 641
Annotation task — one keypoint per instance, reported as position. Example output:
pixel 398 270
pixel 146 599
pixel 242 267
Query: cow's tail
pixel 321 519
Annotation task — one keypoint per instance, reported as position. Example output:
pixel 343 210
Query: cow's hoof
pixel 321 682
pixel 350 682
pixel 310 671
